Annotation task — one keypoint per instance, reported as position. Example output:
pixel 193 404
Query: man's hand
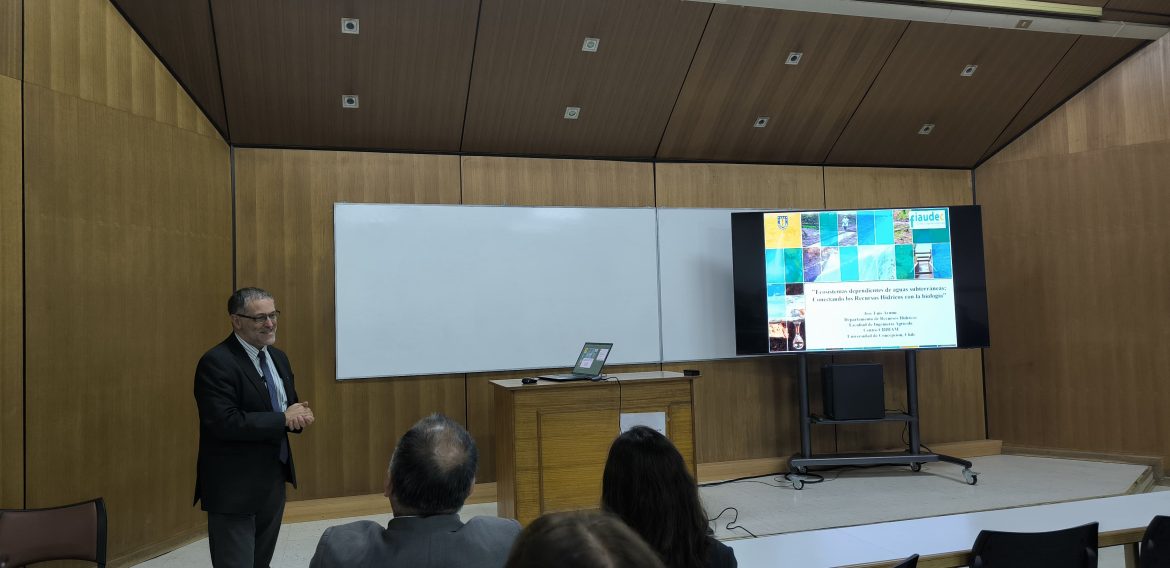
pixel 298 416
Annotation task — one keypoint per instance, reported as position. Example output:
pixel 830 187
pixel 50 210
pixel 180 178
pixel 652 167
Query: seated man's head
pixel 432 469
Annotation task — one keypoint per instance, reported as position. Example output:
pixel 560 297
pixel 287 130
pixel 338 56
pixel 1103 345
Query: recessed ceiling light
pixel 590 44
pixel 761 121
pixel 349 26
pixel 1023 24
pixel 794 58
pixel 349 101
pixel 926 129
pixel 969 70
pixel 572 113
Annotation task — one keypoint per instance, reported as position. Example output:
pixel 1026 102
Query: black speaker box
pixel 854 392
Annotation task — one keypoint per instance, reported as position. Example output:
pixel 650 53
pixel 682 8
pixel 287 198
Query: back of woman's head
pixel 647 484
pixel 580 540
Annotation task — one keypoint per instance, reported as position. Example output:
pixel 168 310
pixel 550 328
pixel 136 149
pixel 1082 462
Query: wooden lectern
pixel 552 438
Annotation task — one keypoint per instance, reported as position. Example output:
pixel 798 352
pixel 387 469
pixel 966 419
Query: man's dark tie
pixel 274 399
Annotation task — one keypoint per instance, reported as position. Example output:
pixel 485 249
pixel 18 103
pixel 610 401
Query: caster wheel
pixel 795 480
pixel 915 467
pixel 971 477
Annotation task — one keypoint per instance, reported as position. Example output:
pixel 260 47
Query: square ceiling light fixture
pixel 761 121
pixel 350 26
pixel 349 101
pixel 1033 6
pixel 572 113
pixel 591 44
pixel 926 129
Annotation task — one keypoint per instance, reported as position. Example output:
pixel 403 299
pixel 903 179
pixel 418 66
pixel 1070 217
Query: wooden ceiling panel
pixel 921 84
pixel 739 74
pixel 286 66
pixel 180 33
pixel 1089 57
pixel 529 66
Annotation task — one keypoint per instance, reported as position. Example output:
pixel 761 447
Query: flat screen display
pixel 859 280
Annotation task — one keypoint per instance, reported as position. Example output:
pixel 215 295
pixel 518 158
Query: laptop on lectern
pixel 589 363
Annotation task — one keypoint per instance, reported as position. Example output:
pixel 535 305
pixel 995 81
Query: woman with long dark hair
pixel 647 484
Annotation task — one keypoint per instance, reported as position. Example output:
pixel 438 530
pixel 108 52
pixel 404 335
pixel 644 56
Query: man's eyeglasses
pixel 260 318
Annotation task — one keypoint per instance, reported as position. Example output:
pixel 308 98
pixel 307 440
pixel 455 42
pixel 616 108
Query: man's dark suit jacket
pixel 239 433
pixel 439 541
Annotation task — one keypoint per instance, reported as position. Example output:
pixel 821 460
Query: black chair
pixel 1067 548
pixel 72 532
pixel 1155 547
pixel 911 562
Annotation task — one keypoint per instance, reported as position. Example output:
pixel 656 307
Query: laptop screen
pixel 592 358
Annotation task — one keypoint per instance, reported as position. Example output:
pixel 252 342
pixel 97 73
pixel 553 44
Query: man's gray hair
pixel 241 297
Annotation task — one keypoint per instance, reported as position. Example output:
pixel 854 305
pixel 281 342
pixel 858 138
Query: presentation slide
pixel 845 280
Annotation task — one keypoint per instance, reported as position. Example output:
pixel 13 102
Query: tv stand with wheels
pixel 799 463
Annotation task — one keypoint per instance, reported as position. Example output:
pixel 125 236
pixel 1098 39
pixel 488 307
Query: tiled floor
pixel 769 505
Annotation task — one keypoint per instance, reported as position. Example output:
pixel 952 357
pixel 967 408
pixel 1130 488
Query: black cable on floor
pixel 730 523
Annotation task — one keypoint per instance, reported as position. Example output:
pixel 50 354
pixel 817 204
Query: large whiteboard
pixel 698 298
pixel 429 289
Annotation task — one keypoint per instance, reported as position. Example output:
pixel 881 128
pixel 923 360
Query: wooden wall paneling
pixel 529 67
pixel 11 37
pixel 180 32
pixel 950 385
pixel 85 49
pixel 739 186
pixel 284 243
pixel 1126 106
pixel 574 183
pixel 1089 57
pixel 861 188
pixel 409 66
pixel 807 104
pixel 127 254
pixel 1078 358
pixel 11 296
pixel 921 83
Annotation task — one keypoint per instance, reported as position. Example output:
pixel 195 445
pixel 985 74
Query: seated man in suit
pixel 431 474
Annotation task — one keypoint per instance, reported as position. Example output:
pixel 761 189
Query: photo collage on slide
pixel 845 246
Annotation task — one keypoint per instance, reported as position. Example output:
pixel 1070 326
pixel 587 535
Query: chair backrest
pixel 1155 548
pixel 72 532
pixel 1068 548
pixel 911 562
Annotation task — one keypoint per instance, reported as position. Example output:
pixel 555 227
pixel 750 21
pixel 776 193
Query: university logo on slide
pixel 928 219
pixel 782 222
